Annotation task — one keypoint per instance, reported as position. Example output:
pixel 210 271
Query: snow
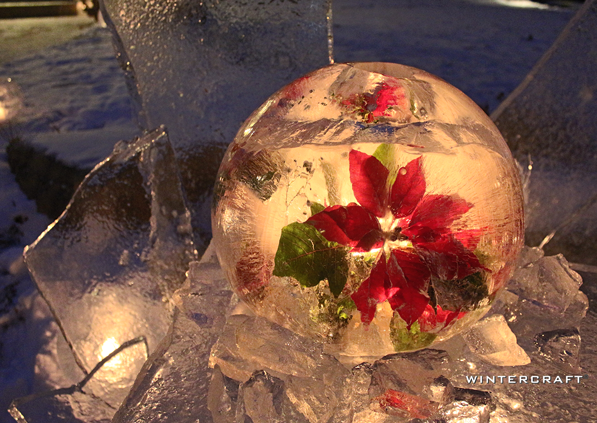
pixel 76 107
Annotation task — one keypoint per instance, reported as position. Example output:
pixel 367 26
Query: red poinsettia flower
pixel 387 96
pixel 411 232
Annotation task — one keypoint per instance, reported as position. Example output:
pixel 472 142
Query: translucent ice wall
pixel 549 120
pixel 109 265
pixel 201 67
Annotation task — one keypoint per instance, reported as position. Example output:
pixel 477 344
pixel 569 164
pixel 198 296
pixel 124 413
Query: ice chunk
pixel 222 397
pixel 495 343
pixel 173 384
pixel 548 281
pixel 110 264
pixel 463 412
pixel 250 343
pixel 79 402
pixel 412 373
pixel 264 399
pixel 200 68
pixel 77 407
pixel 560 345
pixel 441 390
pixel 549 117
pixel 542 296
pixel 313 381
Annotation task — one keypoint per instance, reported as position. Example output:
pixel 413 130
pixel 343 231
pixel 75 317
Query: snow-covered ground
pixel 76 105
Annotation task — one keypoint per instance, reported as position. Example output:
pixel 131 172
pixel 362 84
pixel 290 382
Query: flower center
pixel 395 235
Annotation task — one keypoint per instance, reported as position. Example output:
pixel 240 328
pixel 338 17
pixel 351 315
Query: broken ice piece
pixel 109 265
pixel 406 405
pixel 412 373
pixel 77 407
pixel 80 402
pixel 493 341
pixel 440 390
pixel 547 281
pixel 263 399
pixel 174 382
pixel 461 411
pixel 251 343
pixel 314 382
pixel 560 346
pixel 222 397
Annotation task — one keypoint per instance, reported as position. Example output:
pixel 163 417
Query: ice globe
pixel 372 206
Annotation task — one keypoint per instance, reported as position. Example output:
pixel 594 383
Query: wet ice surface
pixel 109 266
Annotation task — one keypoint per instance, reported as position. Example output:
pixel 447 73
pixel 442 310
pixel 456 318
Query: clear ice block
pixel 494 342
pixel 370 205
pixel 549 120
pixel 80 402
pixel 109 265
pixel 201 67
pixel 173 384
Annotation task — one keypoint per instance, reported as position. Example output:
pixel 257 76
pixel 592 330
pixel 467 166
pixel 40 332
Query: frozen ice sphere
pixel 560 345
pixel 495 343
pixel 548 281
pixel 109 265
pixel 343 212
pixel 173 385
pixel 201 67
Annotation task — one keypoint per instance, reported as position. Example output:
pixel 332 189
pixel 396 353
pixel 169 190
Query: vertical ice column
pixel 201 67
pixel 550 118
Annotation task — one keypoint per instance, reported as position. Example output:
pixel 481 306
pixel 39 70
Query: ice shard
pixel 494 342
pixel 80 402
pixel 173 384
pixel 201 67
pixel 550 119
pixel 110 264
pixel 262 356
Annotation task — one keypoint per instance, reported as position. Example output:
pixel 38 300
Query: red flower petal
pixel 446 316
pixel 437 213
pixel 448 259
pixel 469 238
pixel 410 268
pixel 368 177
pixel 427 320
pixel 434 320
pixel 410 304
pixel 374 290
pixel 388 95
pixel 416 407
pixel 408 189
pixel 348 225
